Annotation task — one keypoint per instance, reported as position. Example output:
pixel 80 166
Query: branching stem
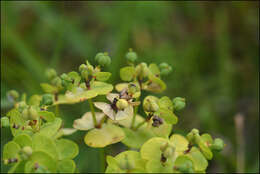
pixel 92 112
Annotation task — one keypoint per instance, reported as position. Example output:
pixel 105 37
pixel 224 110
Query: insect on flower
pixel 120 108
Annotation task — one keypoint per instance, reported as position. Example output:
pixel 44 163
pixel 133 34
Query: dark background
pixel 212 47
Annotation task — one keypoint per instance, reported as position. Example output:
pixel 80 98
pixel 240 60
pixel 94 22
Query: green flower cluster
pixel 37 146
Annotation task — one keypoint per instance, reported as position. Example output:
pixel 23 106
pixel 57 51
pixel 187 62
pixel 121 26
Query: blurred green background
pixel 212 46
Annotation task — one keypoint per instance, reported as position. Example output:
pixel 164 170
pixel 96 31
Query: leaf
pixel 127 73
pixel 11 150
pixel 151 148
pixel 17 167
pixel 163 130
pixel 16 122
pixel 75 97
pixel 48 116
pixel 35 100
pixel 156 85
pixel 67 149
pixel 199 161
pixel 101 88
pixel 183 164
pixel 128 121
pixel 108 134
pixel 23 140
pixel 102 76
pixel 180 142
pixel 112 165
pixel 168 116
pixel 135 139
pixel 86 121
pixel 49 129
pixel 44 143
pixel 47 88
pixel 75 77
pixel 154 69
pixel 166 103
pixel 130 160
pixel 203 147
pixel 155 166
pixel 66 166
pixel 119 87
pixel 42 159
pixel 68 131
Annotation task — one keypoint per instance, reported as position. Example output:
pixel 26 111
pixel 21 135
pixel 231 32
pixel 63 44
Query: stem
pixel 92 112
pixel 57 112
pixel 102 154
pixel 239 123
pixel 140 124
pixel 135 112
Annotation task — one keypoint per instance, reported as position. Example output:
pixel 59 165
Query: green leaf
pixel 67 149
pixel 86 121
pixel 119 87
pixel 49 129
pixel 183 164
pixel 48 116
pixel 155 166
pixel 49 88
pixel 154 69
pixel 16 122
pixel 76 96
pixel 66 166
pixel 35 100
pixel 102 76
pixel 42 159
pixel 156 85
pixel 203 147
pixel 167 115
pixel 128 121
pixel 127 73
pixel 135 139
pixel 17 167
pixel 179 142
pixel 23 140
pixel 44 143
pixel 75 77
pixel 108 134
pixel 101 88
pixel 199 161
pixel 166 103
pixel 112 165
pixel 130 160
pixel 11 150
pixel 151 148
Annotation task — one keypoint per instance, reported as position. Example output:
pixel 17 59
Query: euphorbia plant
pixel 38 146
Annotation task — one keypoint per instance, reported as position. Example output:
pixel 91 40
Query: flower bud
pixel 27 150
pixel 25 114
pixel 82 67
pixel 84 74
pixel 33 114
pixel 5 122
pixel 12 95
pixel 98 55
pixel 195 131
pixel 131 56
pixel 217 145
pixel 90 68
pixel 47 99
pixel 168 152
pixel 65 77
pixel 121 104
pixel 50 73
pixel 150 106
pixel 57 81
pixel 104 60
pixel 165 68
pixel 178 103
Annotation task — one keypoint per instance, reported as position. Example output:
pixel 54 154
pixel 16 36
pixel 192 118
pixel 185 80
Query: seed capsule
pixel 178 103
pixel 131 56
pixel 121 104
pixel 12 95
pixel 47 99
pixel 27 150
pixel 218 144
pixel 51 73
pixel 82 67
pixel 33 114
pixel 165 68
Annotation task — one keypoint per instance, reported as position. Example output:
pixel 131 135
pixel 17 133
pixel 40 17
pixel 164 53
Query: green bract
pixel 38 145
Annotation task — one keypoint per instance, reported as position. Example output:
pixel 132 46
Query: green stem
pixel 92 112
pixel 57 111
pixel 102 154
pixel 135 112
pixel 140 124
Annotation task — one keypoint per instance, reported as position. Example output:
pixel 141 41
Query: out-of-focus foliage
pixel 212 47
